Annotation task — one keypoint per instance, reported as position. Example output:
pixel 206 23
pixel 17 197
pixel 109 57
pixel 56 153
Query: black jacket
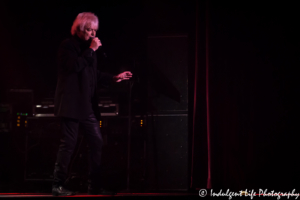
pixel 76 90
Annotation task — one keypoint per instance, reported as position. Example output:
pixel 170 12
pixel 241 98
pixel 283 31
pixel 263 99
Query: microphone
pixel 99 48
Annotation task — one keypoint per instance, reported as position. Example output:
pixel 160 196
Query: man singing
pixel 76 100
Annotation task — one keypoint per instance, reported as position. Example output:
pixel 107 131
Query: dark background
pixel 252 64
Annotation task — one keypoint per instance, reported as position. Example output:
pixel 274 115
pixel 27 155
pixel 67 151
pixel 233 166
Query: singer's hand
pixel 123 76
pixel 95 44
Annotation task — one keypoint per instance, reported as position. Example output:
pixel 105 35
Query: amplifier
pixel 5 118
pixel 109 109
pixel 106 109
pixel 43 111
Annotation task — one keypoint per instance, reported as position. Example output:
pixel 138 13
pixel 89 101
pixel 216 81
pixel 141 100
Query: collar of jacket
pixel 81 43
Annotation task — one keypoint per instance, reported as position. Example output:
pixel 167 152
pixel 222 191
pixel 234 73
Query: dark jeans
pixel 69 128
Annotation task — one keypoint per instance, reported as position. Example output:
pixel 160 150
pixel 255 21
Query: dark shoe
pixel 60 191
pixel 101 192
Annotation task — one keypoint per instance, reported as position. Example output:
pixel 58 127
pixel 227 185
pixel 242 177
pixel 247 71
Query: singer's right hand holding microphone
pixel 95 44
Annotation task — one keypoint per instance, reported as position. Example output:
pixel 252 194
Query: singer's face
pixel 88 32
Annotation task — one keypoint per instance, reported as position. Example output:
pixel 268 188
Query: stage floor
pixel 118 195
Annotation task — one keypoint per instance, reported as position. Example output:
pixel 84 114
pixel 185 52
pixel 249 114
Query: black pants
pixel 69 128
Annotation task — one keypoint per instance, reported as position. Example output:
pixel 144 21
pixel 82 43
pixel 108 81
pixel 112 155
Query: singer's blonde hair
pixel 82 19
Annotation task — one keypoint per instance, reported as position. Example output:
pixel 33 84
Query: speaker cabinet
pixel 167 152
pixel 42 142
pixel 167 133
pixel 167 68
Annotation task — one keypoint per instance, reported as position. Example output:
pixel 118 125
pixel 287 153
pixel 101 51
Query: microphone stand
pixel 129 132
pixel 129 136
